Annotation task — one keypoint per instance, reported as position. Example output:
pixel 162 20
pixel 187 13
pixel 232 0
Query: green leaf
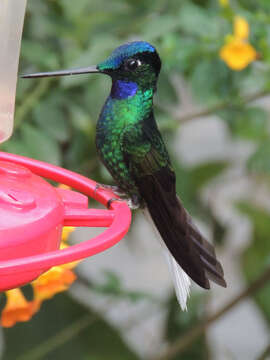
pixel 204 173
pixel 189 182
pixel 250 123
pixel 80 150
pixel 52 120
pixel 112 281
pixel 180 54
pixel 219 230
pixel 159 26
pixel 113 286
pixel 81 120
pixel 16 146
pixel 197 21
pixel 42 57
pixel 183 184
pixel 210 81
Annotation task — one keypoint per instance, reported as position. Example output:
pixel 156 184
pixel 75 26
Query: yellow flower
pixel 237 52
pixel 224 3
pixel 64 186
pixel 240 28
pixel 56 280
pixel 17 308
pixel 66 232
pixel 66 229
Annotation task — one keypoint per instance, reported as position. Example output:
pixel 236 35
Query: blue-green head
pixel 136 61
pixel 132 63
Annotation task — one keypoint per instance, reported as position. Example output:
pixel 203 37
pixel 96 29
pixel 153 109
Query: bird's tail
pixel 190 250
pixel 180 278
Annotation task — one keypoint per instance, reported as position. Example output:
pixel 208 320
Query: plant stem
pixel 221 106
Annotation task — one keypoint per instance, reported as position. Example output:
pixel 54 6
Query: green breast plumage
pixel 118 116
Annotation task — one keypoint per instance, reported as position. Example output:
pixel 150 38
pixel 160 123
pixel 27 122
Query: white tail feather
pixel 180 278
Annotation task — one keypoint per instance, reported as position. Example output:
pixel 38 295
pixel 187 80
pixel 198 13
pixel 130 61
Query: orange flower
pixel 17 308
pixel 237 52
pixel 56 280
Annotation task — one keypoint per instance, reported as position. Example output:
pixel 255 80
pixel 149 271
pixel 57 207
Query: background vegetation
pixel 55 122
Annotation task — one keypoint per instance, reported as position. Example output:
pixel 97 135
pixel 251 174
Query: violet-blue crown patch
pixel 123 52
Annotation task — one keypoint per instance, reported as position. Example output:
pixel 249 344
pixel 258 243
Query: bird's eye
pixel 132 64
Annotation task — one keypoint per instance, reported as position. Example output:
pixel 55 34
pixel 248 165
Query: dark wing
pixel 155 180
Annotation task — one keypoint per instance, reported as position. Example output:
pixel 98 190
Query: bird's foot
pixel 132 202
pixel 133 205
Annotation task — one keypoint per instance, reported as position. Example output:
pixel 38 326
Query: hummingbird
pixel 131 147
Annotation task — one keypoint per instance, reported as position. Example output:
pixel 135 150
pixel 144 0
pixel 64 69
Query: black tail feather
pixel 190 249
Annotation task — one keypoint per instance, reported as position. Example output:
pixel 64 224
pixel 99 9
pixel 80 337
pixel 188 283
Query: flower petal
pixel 56 280
pixel 241 28
pixel 237 54
pixel 17 308
pixel 66 232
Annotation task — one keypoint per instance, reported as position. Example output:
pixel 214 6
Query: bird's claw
pixel 133 204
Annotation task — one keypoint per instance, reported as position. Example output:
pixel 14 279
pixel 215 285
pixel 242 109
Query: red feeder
pixel 33 212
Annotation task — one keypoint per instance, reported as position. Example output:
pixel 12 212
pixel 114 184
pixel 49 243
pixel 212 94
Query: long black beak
pixel 87 70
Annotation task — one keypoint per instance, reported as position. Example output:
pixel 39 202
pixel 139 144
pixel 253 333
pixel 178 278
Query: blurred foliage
pixel 257 256
pixel 55 122
pixel 112 286
pixel 59 321
pixel 179 323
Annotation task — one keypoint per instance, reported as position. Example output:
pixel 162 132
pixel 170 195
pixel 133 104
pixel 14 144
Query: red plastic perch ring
pixel 33 212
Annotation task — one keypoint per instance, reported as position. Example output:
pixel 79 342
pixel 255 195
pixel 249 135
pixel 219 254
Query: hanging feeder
pixel 32 211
